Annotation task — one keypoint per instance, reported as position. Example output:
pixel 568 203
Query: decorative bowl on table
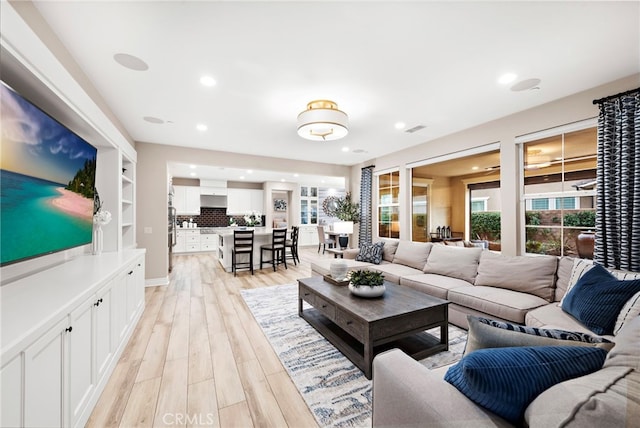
pixel 364 283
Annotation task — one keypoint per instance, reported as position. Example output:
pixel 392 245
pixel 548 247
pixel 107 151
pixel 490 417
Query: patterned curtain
pixel 617 242
pixel 366 195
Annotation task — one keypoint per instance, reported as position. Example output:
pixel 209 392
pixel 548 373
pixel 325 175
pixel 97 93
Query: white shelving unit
pixel 127 202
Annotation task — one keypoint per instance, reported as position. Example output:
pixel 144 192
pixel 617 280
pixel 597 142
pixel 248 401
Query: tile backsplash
pixel 212 217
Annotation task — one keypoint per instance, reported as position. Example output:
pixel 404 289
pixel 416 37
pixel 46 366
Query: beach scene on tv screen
pixel 47 181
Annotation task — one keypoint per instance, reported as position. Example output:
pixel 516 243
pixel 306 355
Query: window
pixel 559 188
pixel 540 204
pixel 479 204
pixel 388 206
pixel 308 205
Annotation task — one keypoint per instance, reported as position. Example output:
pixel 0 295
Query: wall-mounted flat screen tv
pixel 47 182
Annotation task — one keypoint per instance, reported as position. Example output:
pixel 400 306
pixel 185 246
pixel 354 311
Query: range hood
pixel 213 201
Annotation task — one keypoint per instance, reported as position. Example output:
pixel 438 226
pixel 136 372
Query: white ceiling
pixel 422 63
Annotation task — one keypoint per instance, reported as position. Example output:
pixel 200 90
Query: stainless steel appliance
pixel 172 233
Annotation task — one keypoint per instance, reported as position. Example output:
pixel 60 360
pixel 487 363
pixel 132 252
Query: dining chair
pixel 276 248
pixel 292 245
pixel 242 244
pixel 323 240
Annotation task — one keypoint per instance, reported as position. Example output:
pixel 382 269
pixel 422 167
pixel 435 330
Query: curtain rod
pixel 601 100
pixel 370 166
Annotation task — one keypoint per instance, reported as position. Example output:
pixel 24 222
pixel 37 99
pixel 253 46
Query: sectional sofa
pixel 521 289
pixel 524 290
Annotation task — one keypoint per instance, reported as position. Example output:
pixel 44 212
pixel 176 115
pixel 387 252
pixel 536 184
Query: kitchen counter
pixel 261 236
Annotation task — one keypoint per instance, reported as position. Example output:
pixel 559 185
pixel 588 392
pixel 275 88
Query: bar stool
pixel 276 248
pixel 292 245
pixel 242 244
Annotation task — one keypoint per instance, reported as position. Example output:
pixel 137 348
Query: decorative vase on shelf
pixel 98 241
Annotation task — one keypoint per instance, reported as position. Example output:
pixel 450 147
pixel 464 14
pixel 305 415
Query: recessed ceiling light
pixel 201 127
pixel 208 81
pixel 345 149
pixel 400 125
pixel 249 171
pixel 193 174
pixel 296 175
pixel 242 177
pixel 475 168
pixel 131 62
pixel 507 78
pixel 282 179
pixel 192 166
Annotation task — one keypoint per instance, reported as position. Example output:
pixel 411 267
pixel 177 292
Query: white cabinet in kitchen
pixel 243 201
pixel 58 349
pixel 209 242
pixel 181 242
pixel 187 240
pixel 308 235
pixel 186 200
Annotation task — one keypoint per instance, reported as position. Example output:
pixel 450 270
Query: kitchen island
pixel 261 236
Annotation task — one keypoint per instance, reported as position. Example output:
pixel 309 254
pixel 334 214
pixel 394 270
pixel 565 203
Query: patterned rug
pixel 336 391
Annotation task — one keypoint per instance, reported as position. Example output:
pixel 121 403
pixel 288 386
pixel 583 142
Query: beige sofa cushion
pixel 432 284
pixel 409 395
pixel 412 254
pixel 626 353
pixel 389 249
pixel 563 274
pixel 456 262
pixel 528 274
pixel 505 304
pixel 552 316
pixel 392 271
pixel 323 266
pixel 609 397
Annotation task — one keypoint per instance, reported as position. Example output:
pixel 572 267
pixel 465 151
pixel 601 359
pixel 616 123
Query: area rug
pixel 336 391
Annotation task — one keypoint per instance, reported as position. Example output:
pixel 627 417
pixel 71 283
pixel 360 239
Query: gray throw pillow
pixel 487 333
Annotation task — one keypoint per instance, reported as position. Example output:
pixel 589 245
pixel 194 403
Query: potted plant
pixel 347 210
pixel 366 283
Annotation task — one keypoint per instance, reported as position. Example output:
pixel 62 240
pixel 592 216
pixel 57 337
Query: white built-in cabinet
pixel 186 200
pixel 244 201
pixel 63 330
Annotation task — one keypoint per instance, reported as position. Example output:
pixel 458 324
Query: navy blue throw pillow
pixel 597 299
pixel 506 380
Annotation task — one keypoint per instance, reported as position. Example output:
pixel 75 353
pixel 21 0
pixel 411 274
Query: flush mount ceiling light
pixel 322 121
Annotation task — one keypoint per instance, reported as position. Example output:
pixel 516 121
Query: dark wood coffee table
pixel 361 328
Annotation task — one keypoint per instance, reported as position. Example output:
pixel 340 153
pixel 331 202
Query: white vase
pixel 367 290
pixel 338 270
pixel 97 240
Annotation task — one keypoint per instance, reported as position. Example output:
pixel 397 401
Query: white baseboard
pixel 154 282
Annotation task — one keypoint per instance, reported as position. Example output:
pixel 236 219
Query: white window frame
pixel 520 143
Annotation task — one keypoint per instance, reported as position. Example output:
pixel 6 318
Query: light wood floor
pixel 198 357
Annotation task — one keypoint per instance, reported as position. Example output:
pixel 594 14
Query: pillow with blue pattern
pixel 597 299
pixel 506 380
pixel 371 253
pixel 488 333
